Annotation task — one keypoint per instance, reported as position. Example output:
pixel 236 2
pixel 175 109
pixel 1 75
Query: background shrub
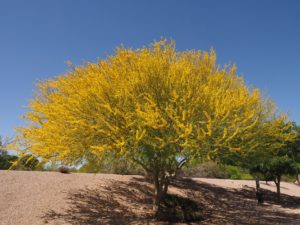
pixel 111 165
pixel 214 170
pixel 26 162
pixel 206 170
pixel 237 173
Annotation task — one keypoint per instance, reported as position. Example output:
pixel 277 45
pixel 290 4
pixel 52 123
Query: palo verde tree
pixel 154 106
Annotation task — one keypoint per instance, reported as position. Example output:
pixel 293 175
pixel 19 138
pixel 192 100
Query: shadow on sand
pixel 131 203
pixel 239 206
pixel 103 205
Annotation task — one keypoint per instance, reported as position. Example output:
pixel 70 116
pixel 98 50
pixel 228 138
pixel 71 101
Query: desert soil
pixel 32 198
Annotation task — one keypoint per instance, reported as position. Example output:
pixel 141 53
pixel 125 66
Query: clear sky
pixel 38 37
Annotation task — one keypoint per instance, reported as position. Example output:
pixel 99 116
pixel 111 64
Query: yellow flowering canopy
pixel 152 105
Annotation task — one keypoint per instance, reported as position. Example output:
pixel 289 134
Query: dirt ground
pixel 31 198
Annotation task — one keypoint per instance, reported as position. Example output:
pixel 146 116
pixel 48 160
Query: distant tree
pixel 282 161
pixel 6 160
pixel 273 169
pixel 25 162
pixel 156 107
pixel 292 150
pixel 279 166
pixel 261 172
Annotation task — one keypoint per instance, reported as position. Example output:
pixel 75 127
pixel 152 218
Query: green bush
pixel 26 162
pixel 214 170
pixel 288 178
pixel 6 160
pixel 237 173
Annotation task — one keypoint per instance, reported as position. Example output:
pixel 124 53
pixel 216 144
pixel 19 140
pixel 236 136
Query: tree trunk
pixel 158 192
pixel 166 186
pixel 277 182
pixel 297 179
pixel 160 184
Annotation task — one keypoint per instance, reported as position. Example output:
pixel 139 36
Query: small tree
pixel 279 166
pixel 156 107
pixel 292 150
pixel 273 169
pixel 261 172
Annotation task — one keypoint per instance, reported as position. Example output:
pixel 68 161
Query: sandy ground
pixel 31 198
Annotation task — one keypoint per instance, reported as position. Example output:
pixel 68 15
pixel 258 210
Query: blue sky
pixel 38 37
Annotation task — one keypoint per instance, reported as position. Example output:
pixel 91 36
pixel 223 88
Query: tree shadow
pixel 238 206
pixel 176 209
pixel 91 206
pixel 122 203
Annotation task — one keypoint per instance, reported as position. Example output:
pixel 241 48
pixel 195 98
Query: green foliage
pixel 237 173
pixel 281 165
pixel 26 162
pixel 6 160
pixel 213 170
pixel 261 172
pixel 288 178
pixel 89 167
pixel 273 165
pixel 274 168
pixel 292 150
